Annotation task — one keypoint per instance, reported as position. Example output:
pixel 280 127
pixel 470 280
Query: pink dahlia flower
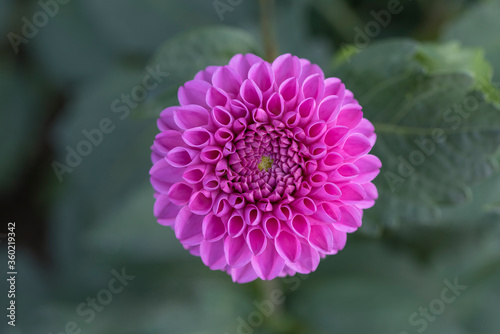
pixel 263 168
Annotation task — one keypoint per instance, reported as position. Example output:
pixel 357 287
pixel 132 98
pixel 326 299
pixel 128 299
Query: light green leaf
pixel 449 58
pixel 478 26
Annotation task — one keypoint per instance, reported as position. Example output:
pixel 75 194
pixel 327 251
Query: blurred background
pixel 427 72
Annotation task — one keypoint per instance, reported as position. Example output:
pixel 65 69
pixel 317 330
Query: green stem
pixel 267 13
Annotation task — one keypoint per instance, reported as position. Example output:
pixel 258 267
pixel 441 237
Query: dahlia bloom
pixel 263 168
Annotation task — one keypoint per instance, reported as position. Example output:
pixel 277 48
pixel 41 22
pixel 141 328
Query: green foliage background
pixel 413 78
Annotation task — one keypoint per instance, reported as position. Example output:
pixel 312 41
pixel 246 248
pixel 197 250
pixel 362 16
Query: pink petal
pixel 329 108
pixel 332 86
pixel 291 119
pixel 330 162
pixel 166 120
pixel 314 131
pixel 307 262
pixel 180 193
pixel 345 173
pixel 201 202
pixel 350 219
pixel 211 154
pixel 269 264
pixel 369 167
pixel 191 116
pixel 352 193
pixel 356 145
pixel 306 110
pixel 188 227
pixel 193 93
pixel 213 227
pixel 237 201
pixel 317 179
pixel 195 173
pixel 235 225
pixel 212 254
pixel 261 73
pixel 206 74
pixel 165 210
pixel 289 89
pixel 256 241
pixel 350 115
pixel 221 206
pixel 282 212
pixel 251 94
pixel 222 117
pixel 223 135
pixel 242 63
pixel 286 66
pixel 335 135
pixel 275 106
pixel 313 87
pixel 244 274
pixel 181 157
pixel 305 206
pixel 318 150
pixel 252 215
pixel 321 238
pixel 217 97
pixel 163 175
pixel 227 79
pixel 167 140
pixel 197 137
pixel 327 212
pixel 288 246
pixel 271 225
pixel 300 225
pixel 237 252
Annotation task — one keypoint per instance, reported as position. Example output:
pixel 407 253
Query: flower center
pixel 265 163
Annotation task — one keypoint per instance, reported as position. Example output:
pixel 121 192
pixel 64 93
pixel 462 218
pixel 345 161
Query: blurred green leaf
pixel 478 26
pixel 384 286
pixel 130 232
pixel 186 54
pixel 139 27
pixel 20 122
pixel 5 10
pixel 68 50
pixel 293 33
pixel 114 168
pixel 436 132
